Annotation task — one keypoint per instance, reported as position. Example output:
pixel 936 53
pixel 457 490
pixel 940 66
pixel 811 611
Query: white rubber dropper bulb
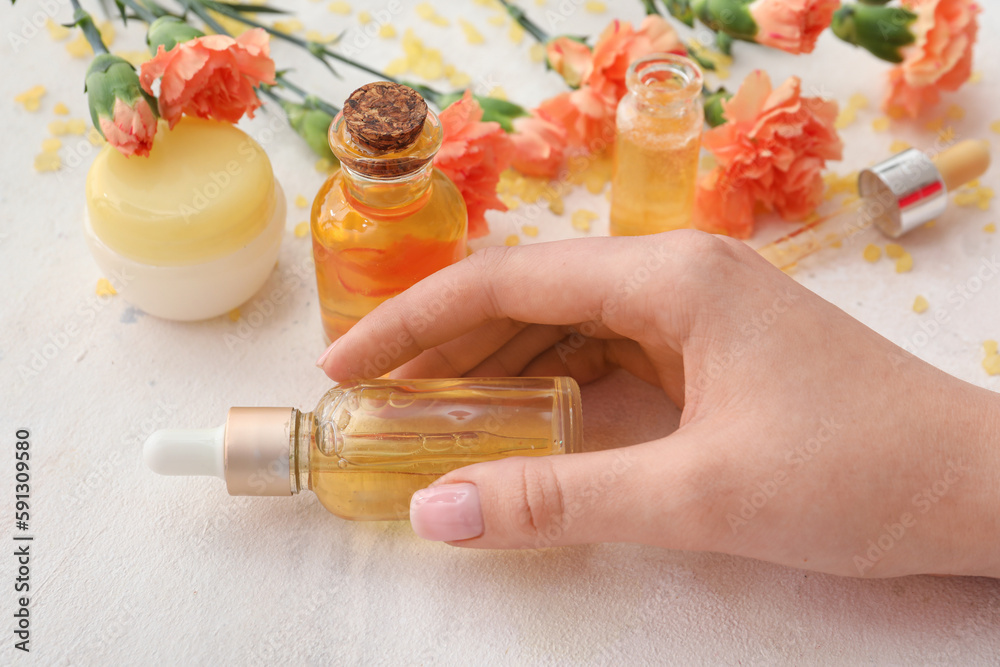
pixel 186 452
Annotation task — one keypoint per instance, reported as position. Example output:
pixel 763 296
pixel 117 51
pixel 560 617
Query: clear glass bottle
pixel 384 221
pixel 658 140
pixel 370 444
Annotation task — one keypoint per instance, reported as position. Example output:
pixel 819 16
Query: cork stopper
pixel 384 117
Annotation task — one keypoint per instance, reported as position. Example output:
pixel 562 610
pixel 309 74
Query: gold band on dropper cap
pixel 257 448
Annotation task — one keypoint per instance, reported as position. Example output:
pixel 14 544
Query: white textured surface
pixel 132 568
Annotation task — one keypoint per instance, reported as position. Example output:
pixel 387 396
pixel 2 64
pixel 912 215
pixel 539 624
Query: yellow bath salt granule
pixel 995 126
pixel 512 240
pixel 511 202
pixel 301 230
pixel 498 92
pixel 880 124
pixel 930 224
pixel 472 34
pixel 234 315
pixel 580 220
pixel 48 161
pixel 58 128
pixel 846 117
pixel 76 126
pixel 364 17
pixel 516 33
pixel 51 144
pixel 947 135
pixel 840 185
pixel 60 109
pixel 858 101
pixel 905 263
pixel 388 31
pixel 871 253
pixel 530 230
pixel 105 288
pixel 497 20
pixel 898 146
pixel 56 31
pixel 314 36
pixel 557 205
pixel 934 124
pixel 991 362
pixel 94 137
pixel 339 7
pixel 537 53
pixel 976 77
pixel 595 7
pixel 955 112
pixel 301 201
pixel 288 26
pixel 990 228
pixel 920 304
pixel 31 99
pixel 459 80
pixel 894 250
pixel 325 166
pixel 397 66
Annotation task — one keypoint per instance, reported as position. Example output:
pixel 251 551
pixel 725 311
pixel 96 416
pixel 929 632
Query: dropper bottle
pixel 370 444
pixel 898 195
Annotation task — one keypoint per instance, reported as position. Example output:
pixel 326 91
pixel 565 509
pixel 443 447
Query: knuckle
pixel 539 511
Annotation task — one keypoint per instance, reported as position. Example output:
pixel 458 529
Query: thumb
pixel 634 494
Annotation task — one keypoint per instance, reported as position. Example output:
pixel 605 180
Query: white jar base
pixel 194 291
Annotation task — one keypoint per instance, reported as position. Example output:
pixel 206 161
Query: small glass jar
pixel 657 144
pixel 193 230
pixel 381 223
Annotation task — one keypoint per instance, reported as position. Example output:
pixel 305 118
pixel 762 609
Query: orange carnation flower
pixel 792 25
pixel 569 58
pixel 770 151
pixel 587 117
pixel 939 60
pixel 210 77
pixel 539 146
pixel 619 45
pixel 472 155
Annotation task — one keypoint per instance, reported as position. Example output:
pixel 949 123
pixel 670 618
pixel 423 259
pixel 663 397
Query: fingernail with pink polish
pixel 326 353
pixel 447 513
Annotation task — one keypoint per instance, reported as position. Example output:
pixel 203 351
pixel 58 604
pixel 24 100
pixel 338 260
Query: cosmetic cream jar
pixel 193 230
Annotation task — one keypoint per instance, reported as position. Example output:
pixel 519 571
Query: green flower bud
pixel 168 32
pixel 729 16
pixel 111 77
pixel 881 30
pixel 313 125
pixel 120 109
pixel 681 10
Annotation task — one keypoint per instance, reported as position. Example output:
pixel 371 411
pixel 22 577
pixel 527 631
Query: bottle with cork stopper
pixel 387 218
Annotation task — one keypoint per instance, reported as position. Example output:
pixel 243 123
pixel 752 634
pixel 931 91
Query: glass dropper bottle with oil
pixel 371 444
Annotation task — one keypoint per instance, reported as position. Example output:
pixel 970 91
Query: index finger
pixel 563 282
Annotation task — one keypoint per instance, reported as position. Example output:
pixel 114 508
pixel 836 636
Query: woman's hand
pixel 806 439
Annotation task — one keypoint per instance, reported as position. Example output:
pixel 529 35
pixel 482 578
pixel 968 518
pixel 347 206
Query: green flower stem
pixel 522 19
pixel 316 48
pixel 85 22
